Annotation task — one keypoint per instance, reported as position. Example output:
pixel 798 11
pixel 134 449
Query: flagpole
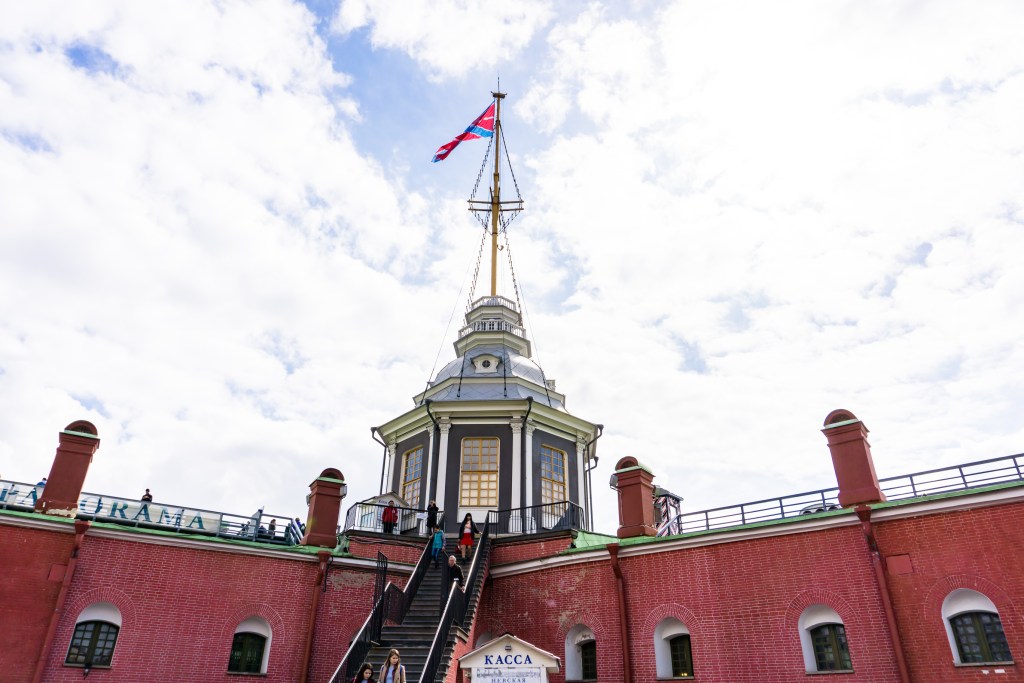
pixel 496 193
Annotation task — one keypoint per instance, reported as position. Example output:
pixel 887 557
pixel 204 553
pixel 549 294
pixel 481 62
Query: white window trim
pixel 100 611
pixel 665 630
pixel 260 627
pixel 574 639
pixel 812 617
pixel 956 603
pixel 422 481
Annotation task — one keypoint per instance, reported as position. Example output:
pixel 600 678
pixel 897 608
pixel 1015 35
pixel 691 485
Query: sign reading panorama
pixel 119 509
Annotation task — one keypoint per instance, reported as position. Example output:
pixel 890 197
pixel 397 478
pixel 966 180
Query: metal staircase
pixel 421 621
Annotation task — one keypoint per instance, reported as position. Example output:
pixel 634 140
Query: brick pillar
pixel 75 448
pixel 851 457
pixel 635 485
pixel 325 496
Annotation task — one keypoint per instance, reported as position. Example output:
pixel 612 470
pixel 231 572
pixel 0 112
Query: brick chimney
pixel 851 457
pixel 325 496
pixel 75 447
pixel 635 485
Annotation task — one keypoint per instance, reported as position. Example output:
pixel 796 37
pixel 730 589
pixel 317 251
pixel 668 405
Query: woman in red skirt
pixel 466 535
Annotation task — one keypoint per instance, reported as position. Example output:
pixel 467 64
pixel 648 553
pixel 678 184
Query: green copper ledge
pixel 587 541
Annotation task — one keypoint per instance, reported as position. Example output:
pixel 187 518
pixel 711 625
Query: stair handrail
pixel 399 608
pixel 455 608
pixel 368 634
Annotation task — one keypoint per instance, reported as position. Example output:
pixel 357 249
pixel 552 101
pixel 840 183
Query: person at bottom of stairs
pixel 392 671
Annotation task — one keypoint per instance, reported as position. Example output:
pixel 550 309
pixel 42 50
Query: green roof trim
pixel 843 423
pixel 91 436
pixel 331 479
pixel 588 541
pixel 341 550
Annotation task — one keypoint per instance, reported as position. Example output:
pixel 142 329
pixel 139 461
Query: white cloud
pixel 757 181
pixel 740 216
pixel 449 38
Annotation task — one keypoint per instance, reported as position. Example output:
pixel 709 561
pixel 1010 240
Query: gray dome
pixel 510 365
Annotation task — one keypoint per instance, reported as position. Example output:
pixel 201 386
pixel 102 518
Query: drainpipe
pixel 587 478
pixel 384 462
pixel 81 526
pixel 878 564
pixel 319 586
pixel 627 670
pixel 522 454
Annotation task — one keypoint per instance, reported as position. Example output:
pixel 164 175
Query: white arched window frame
pixel 105 612
pixel 259 626
pixel 812 617
pixel 574 640
pixel 958 602
pixel 663 633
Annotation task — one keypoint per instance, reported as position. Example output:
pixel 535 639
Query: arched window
pixel 479 484
pixel 412 476
pixel 580 654
pixel 974 629
pixel 96 629
pixel 673 657
pixel 823 640
pixel 250 648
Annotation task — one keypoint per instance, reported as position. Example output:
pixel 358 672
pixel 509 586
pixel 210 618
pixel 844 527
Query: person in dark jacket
pixel 432 515
pixel 455 572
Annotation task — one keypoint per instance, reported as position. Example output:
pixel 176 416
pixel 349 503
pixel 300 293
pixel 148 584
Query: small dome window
pixel 486 364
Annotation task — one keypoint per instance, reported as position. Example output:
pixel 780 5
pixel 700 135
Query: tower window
pixel 479 484
pixel 552 475
pixel 412 476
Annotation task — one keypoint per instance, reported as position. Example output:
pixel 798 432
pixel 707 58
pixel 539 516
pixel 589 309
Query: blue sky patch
pixel 93 59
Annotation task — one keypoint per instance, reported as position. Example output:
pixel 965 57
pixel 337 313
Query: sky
pixel 222 240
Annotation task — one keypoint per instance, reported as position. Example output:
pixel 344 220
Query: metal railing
pixel 392 605
pixel 367 636
pixel 489 325
pixel 537 518
pixel 457 605
pixel 972 475
pixel 259 526
pixel 370 517
pixel 496 300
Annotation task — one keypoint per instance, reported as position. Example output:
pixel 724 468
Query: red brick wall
pixel 980 549
pixel 508 551
pixel 27 597
pixel 741 602
pixel 403 551
pixel 343 609
pixel 180 607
